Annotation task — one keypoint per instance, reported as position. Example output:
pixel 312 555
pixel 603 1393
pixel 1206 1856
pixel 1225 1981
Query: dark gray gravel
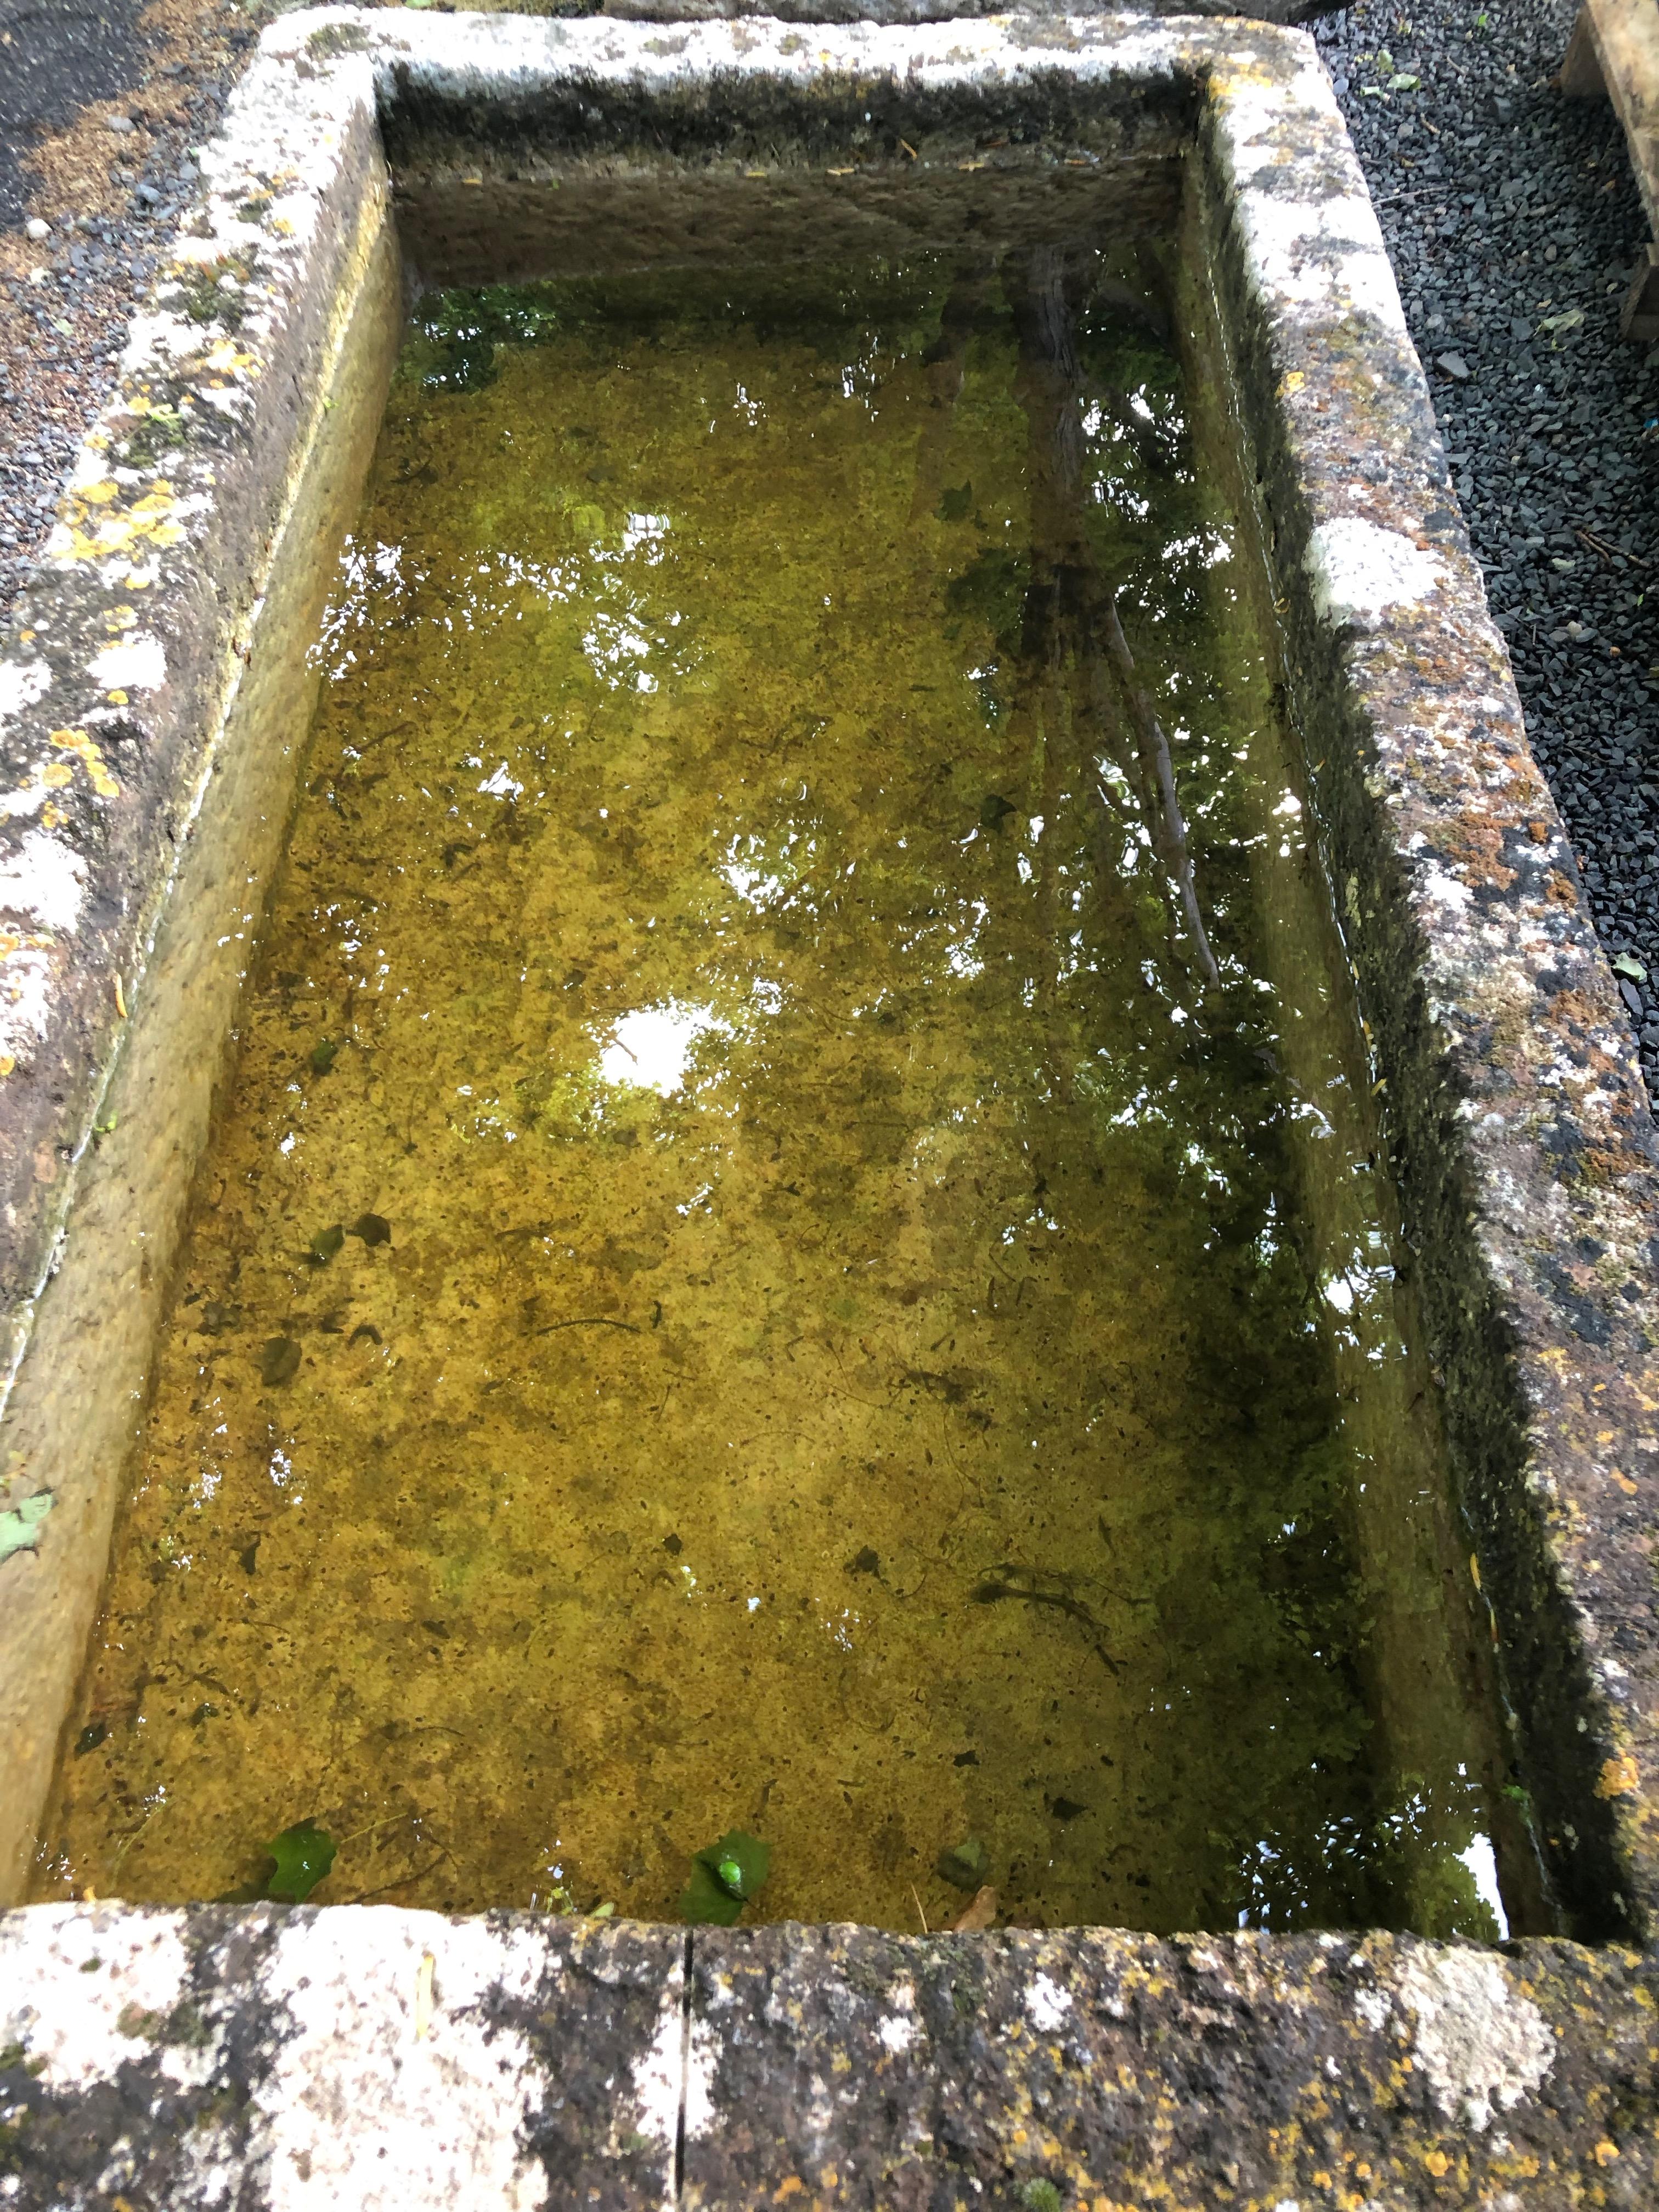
pixel 55 55
pixel 1515 224
pixel 61 338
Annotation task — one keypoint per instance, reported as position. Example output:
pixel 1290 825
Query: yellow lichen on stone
pixel 78 743
pixel 91 538
pixel 225 355
pixel 1618 1777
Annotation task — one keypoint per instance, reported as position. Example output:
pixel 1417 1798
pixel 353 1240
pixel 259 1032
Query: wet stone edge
pixel 214 2054
pixel 1519 1131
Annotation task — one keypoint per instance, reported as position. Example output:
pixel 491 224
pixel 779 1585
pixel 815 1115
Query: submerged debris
pixel 1019 1583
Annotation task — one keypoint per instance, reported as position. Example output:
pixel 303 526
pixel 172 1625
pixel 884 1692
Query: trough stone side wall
pixel 159 698
pixel 1522 1140
pixel 401 2062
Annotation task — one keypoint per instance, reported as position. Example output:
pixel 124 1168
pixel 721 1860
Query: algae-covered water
pixel 794 1244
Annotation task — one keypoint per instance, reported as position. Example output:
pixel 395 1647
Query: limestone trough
pixel 153 701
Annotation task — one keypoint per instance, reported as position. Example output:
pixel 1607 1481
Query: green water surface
pixel 794 1245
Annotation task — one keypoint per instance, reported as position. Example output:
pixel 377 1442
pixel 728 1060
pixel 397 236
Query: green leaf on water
pixel 373 1229
pixel 965 1865
pixel 704 1904
pixel 324 1053
pixel 304 1854
pixel 724 1875
pixel 327 1242
pixel 20 1529
pixel 279 1360
pixel 957 504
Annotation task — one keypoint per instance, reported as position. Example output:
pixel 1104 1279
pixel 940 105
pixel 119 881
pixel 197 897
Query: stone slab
pixel 842 2067
pixel 389 2061
pixel 331 2057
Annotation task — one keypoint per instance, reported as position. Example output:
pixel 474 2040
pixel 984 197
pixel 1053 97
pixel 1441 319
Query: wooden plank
pixel 1616 49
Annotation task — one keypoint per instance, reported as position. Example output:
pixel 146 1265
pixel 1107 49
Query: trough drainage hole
pixel 795 1250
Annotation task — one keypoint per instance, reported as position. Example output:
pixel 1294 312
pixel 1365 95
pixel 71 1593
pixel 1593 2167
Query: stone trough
pixel 153 702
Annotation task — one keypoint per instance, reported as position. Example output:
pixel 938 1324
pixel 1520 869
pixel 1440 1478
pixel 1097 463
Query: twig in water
pixel 988 1593
pixel 586 1321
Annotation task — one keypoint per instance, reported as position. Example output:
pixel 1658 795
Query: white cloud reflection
pixel 651 1049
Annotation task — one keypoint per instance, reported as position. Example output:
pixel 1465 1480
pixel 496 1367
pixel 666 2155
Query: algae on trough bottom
pixel 760 1266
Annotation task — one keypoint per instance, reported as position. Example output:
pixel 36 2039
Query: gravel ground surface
pixel 99 108
pixel 1510 212
pixel 1515 226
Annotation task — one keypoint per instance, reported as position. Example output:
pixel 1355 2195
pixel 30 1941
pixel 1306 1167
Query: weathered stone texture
pixel 348 2056
pixel 842 2067
pixel 364 2056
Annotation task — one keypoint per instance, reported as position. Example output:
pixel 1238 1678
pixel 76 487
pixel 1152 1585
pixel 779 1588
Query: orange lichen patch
pixel 226 357
pixel 78 743
pixel 1618 1777
pixel 148 522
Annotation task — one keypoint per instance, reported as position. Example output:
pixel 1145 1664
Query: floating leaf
pixel 324 1053
pixel 724 1875
pixel 704 1904
pixel 372 1228
pixel 995 810
pixel 866 1562
pixel 965 1865
pixel 327 1242
pixel 957 504
pixel 279 1360
pixel 304 1854
pixel 20 1531
pixel 740 1861
pixel 981 1913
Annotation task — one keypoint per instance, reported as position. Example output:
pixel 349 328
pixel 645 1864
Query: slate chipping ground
pixel 1514 224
